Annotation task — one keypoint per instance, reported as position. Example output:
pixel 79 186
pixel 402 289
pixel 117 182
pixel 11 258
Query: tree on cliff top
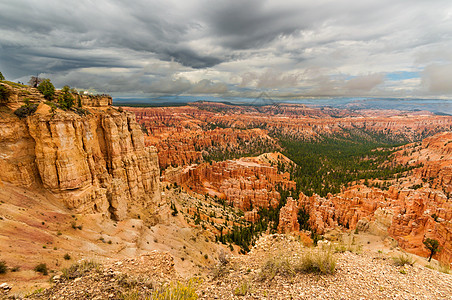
pixel 47 89
pixel 35 81
pixel 433 246
pixel 2 77
pixel 66 100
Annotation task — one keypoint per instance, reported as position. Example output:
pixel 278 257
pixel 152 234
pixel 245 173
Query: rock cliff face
pixel 96 163
pixel 435 155
pixel 245 183
pixel 288 217
pixel 407 215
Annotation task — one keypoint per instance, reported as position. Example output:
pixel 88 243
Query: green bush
pixel 26 110
pixel 403 259
pixel 2 77
pixel 3 267
pixel 47 89
pixel 4 94
pixel 67 256
pixel 41 268
pixel 66 100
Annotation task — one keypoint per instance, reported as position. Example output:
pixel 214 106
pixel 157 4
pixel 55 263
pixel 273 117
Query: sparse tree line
pixel 67 99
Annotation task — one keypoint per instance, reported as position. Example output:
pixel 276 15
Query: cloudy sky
pixel 287 48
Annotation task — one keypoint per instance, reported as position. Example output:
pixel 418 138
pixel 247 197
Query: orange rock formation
pixel 93 163
pixel 245 183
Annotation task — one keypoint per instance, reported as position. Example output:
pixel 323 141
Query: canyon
pixel 204 178
pixel 410 209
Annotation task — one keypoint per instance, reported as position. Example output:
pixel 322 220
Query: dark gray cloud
pixel 200 46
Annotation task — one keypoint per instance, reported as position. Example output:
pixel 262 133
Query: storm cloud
pixel 289 48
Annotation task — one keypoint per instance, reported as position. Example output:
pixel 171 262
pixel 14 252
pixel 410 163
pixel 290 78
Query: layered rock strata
pixel 409 216
pixel 96 163
pixel 245 183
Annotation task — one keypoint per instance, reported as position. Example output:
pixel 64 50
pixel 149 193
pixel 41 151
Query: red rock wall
pixel 244 183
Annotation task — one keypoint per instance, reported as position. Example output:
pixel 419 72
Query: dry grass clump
pixel 347 244
pixel 403 259
pixel 243 289
pixel 319 260
pixel 78 269
pixel 440 267
pixel 178 291
pixel 277 265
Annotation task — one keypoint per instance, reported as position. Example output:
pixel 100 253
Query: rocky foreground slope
pixel 272 270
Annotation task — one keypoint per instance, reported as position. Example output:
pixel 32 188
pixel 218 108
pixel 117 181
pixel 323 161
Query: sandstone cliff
pixel 415 207
pixel 407 215
pixel 245 183
pixel 94 163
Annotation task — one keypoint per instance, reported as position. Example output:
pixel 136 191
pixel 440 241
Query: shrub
pixel 278 265
pixel 4 94
pixel 26 110
pixel 66 100
pixel 47 89
pixel 440 267
pixel 3 267
pixel 317 261
pixel 403 259
pixel 444 267
pixel 67 256
pixel 2 77
pixel 243 289
pixel 80 268
pixel 41 268
pixel 15 269
pixel 344 245
pixel 174 209
pixel 178 291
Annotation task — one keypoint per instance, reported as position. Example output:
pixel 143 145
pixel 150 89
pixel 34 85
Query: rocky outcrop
pixel 245 183
pixel 94 163
pixel 17 154
pixel 182 147
pixel 407 215
pixel 288 221
pixel 434 155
